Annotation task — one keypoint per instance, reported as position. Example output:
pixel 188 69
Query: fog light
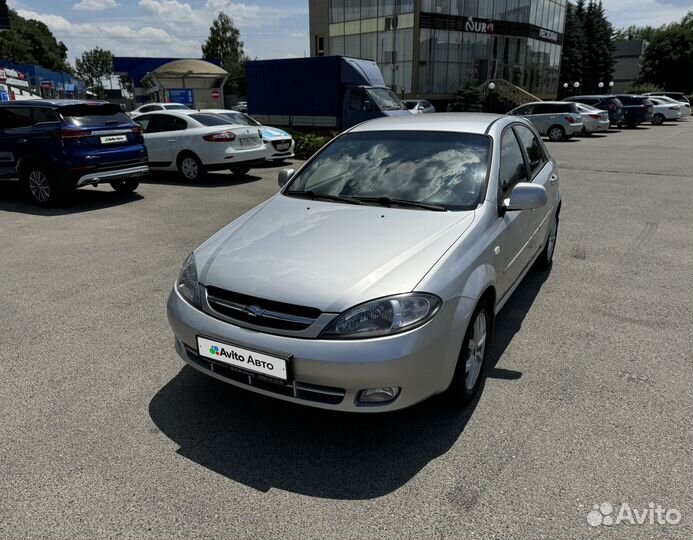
pixel 378 395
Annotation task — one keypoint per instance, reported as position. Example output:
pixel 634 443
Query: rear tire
pixel 471 363
pixel 658 119
pixel 556 133
pixel 190 167
pixel 239 170
pixel 43 188
pixel 125 186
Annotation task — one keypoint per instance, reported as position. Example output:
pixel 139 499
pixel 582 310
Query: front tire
pixel 190 167
pixel 556 133
pixel 658 119
pixel 240 170
pixel 43 188
pixel 546 257
pixel 471 363
pixel 125 186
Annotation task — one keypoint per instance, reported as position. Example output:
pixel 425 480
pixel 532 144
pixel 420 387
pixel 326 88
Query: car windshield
pixel 385 99
pixel 410 104
pixel 96 115
pixel 176 107
pixel 239 118
pixel 210 119
pixel 429 167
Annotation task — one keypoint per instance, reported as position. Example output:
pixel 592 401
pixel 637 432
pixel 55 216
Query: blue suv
pixel 55 146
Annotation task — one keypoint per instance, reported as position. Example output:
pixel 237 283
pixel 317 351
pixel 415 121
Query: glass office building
pixel 430 48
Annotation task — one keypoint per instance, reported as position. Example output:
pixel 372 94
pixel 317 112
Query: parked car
pixel 593 119
pixel 289 301
pixel 419 106
pixel 557 120
pixel 636 110
pixel 678 96
pixel 608 103
pixel 664 111
pixel 153 107
pixel 685 107
pixel 281 145
pixel 194 143
pixel 55 146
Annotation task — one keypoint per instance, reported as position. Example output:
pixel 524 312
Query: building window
pixel 319 45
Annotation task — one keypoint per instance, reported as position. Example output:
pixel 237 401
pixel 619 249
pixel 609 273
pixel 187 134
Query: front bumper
pixel 330 373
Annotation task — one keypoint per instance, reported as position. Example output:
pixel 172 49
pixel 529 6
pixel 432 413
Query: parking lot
pixel 105 432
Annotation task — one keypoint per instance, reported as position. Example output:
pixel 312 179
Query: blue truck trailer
pixel 328 92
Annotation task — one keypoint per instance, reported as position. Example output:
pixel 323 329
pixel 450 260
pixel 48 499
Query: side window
pixel 356 101
pixel 170 123
pixel 149 108
pixel 512 164
pixel 17 117
pixel 542 108
pixel 143 121
pixel 532 147
pixel 156 124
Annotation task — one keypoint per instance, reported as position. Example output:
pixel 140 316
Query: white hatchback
pixel 193 143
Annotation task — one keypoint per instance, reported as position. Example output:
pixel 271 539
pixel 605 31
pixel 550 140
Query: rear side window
pixel 15 117
pixel 210 119
pixel 159 123
pixel 176 107
pixel 532 147
pixel 512 164
pixel 150 108
pixel 94 115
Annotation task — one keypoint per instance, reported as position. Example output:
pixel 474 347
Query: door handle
pixel 553 178
pixel 172 140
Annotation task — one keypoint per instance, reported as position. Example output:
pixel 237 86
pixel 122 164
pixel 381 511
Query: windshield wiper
pixel 387 201
pixel 317 195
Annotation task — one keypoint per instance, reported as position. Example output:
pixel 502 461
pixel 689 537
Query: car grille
pixel 282 145
pixel 309 392
pixel 242 308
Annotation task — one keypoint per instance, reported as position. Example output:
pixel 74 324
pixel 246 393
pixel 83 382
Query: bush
pixel 643 88
pixel 309 143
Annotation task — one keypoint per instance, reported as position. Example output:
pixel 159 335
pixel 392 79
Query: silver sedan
pixel 371 280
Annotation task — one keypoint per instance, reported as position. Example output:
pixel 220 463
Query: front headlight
pixel 187 282
pixel 384 316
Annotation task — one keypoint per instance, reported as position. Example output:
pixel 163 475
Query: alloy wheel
pixel 556 134
pixel 477 348
pixel 189 168
pixel 39 186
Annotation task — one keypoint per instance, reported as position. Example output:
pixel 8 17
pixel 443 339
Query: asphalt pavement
pixel 104 433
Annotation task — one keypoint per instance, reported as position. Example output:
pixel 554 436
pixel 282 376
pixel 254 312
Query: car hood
pixel 270 133
pixel 325 255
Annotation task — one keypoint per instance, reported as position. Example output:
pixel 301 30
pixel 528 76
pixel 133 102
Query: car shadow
pixel 270 444
pixel 13 199
pixel 210 180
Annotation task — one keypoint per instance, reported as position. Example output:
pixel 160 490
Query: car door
pixel 161 136
pixel 543 117
pixel 513 248
pixel 8 146
pixel 542 171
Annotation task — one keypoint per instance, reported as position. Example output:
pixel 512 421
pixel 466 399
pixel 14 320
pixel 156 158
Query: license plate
pixel 249 141
pixel 243 359
pixel 112 139
pixel 283 146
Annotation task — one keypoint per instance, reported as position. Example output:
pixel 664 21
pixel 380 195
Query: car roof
pixel 593 96
pixel 456 122
pixel 54 102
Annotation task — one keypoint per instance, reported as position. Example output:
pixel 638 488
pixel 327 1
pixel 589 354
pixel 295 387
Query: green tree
pixel 93 66
pixel 468 99
pixel 224 44
pixel 31 42
pixel 668 60
pixel 572 55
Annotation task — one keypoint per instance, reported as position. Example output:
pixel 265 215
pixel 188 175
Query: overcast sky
pixel 269 28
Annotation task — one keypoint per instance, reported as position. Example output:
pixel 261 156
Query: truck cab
pixel 366 103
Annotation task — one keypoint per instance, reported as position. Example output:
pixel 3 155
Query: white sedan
pixel 664 111
pixel 153 107
pixel 279 143
pixel 594 120
pixel 193 143
pixel 685 107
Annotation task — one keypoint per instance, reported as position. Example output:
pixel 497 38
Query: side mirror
pixel 368 106
pixel 284 177
pixel 525 196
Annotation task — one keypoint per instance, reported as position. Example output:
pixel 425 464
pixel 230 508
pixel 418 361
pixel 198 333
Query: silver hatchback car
pixel 370 281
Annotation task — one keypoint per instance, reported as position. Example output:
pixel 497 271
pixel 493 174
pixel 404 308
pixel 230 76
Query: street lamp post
pixel 576 85
pixel 565 89
pixel 491 97
pixel 611 86
pixel 601 86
